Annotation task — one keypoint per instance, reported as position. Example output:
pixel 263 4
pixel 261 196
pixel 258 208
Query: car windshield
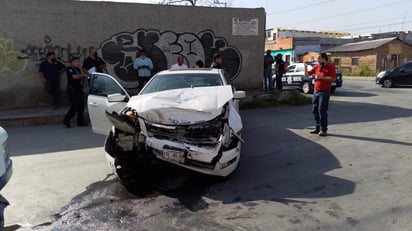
pixel 291 68
pixel 298 68
pixel 172 81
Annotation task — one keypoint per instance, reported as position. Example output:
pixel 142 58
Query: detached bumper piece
pixel 121 122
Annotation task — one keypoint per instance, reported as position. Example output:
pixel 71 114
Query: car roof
pixel 300 64
pixel 297 64
pixel 192 70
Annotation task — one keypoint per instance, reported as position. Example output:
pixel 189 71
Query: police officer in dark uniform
pixel 75 92
pixel 50 71
pixel 280 70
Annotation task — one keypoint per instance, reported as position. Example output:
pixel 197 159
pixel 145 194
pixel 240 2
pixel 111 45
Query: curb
pixel 33 116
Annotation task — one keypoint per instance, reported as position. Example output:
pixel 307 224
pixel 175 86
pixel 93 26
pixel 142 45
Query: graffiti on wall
pixel 9 58
pixel 163 48
pixel 63 53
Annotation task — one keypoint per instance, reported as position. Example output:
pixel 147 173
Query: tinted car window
pixel 166 82
pixel 101 85
pixel 291 68
pixel 407 66
pixel 300 68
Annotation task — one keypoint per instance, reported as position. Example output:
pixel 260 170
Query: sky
pixel 358 17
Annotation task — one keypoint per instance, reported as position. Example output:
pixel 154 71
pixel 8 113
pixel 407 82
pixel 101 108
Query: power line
pixel 349 26
pixel 300 7
pixel 390 24
pixel 349 13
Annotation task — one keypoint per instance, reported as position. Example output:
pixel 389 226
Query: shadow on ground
pixel 276 166
pixel 39 139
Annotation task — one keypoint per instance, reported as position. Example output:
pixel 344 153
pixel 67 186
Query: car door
pixel 101 88
pixel 404 75
pixel 287 77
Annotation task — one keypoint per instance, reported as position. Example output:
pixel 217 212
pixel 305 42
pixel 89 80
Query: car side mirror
pixel 402 69
pixel 116 97
pixel 239 95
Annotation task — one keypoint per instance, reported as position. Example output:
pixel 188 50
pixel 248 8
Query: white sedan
pixel 188 118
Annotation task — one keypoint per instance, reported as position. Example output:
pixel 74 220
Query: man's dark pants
pixel 279 85
pixel 76 97
pixel 53 87
pixel 320 105
pixel 142 81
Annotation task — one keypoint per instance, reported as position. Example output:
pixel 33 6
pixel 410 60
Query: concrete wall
pixel 31 28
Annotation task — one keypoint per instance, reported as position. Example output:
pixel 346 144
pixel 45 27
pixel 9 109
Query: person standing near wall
pixel 267 70
pixel 144 67
pixel 50 71
pixel 280 70
pixel 93 63
pixel 217 61
pixel 199 64
pixel 325 74
pixel 75 92
pixel 180 64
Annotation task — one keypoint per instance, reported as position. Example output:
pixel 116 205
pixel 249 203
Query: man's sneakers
pixel 320 133
pixel 314 132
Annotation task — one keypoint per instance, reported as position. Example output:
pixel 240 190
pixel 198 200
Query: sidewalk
pixel 31 116
pixel 47 115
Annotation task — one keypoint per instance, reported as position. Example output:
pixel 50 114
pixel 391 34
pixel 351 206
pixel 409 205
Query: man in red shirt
pixel 325 74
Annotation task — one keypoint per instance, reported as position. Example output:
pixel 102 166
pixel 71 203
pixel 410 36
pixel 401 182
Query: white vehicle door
pixel 100 87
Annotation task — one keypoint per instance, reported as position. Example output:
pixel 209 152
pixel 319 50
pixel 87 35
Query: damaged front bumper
pixel 212 155
pixel 207 160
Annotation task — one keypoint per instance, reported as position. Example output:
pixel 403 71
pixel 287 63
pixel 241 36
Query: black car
pixel 295 77
pixel 398 76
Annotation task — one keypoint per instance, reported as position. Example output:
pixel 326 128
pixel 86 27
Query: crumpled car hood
pixel 182 106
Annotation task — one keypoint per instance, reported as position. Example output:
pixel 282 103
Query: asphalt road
pixel 356 178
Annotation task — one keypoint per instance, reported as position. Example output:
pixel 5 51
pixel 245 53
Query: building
pixel 295 43
pixel 376 55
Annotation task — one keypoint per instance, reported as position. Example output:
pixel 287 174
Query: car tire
pixel 387 83
pixel 110 145
pixel 307 88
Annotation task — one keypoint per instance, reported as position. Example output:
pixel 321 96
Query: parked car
pixel 6 170
pixel 295 77
pixel 188 118
pixel 398 76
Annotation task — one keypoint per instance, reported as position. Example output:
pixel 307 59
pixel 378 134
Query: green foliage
pixel 363 70
pixel 297 98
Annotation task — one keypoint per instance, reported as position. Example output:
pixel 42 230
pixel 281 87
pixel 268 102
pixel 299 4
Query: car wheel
pixel 121 169
pixel 307 88
pixel 110 145
pixel 387 83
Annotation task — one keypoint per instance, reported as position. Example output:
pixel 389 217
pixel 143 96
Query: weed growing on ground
pixel 271 100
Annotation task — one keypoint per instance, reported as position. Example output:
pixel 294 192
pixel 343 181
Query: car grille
pixel 201 133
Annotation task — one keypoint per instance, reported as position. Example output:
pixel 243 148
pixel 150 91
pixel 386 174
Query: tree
pixel 213 3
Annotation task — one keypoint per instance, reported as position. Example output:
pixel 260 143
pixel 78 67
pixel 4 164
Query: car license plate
pixel 174 155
